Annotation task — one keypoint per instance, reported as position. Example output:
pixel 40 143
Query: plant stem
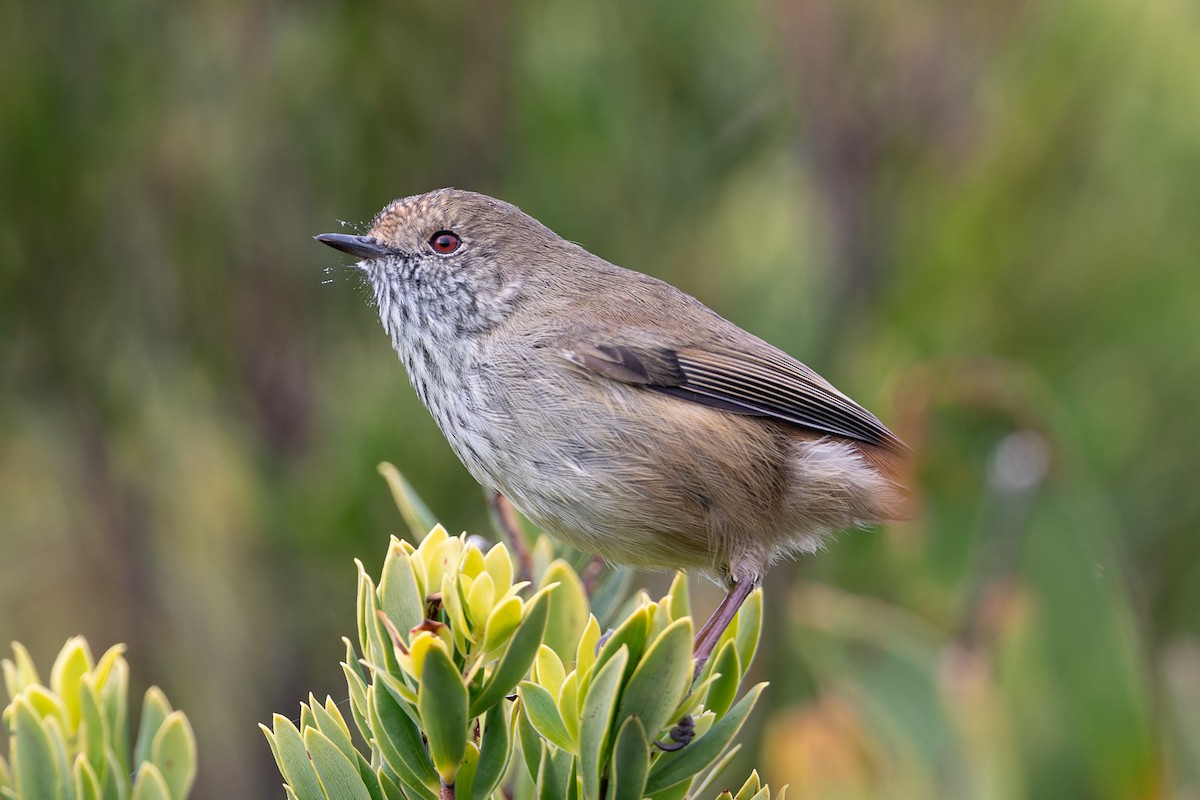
pixel 447 791
pixel 510 526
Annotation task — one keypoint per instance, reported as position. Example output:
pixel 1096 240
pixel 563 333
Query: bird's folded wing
pixel 766 383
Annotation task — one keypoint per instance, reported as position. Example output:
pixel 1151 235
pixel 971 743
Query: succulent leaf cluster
pixel 467 682
pixel 70 739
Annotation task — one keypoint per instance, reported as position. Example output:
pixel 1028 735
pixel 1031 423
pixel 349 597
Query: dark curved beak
pixel 358 246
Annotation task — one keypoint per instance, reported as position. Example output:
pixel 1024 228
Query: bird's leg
pixel 711 632
pixel 506 520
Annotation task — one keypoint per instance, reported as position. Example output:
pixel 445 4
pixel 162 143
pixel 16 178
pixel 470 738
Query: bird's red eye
pixel 445 242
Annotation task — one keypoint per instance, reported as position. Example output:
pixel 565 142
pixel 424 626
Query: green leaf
pixel 543 713
pixel 660 618
pixel 597 714
pixel 494 755
pixel 87 783
pixel 58 741
pixel 548 670
pixel 149 784
pixel 569 705
pixel 568 609
pixel 329 721
pixel 749 626
pixel 338 775
pixel 556 774
pixel 399 741
pixel 34 761
pixel 480 599
pixel 114 783
pixel 114 700
pixel 517 658
pixel 66 677
pixel 532 746
pixel 630 634
pixel 398 594
pixel 683 765
pixel 607 595
pixel 155 709
pixel 93 733
pixel 368 776
pixel 661 679
pixel 585 653
pixel 374 639
pixel 501 623
pixel 20 672
pixel 630 762
pixel 723 688
pixel 442 703
pixel 464 781
pixel 356 688
pixel 750 787
pixel 292 758
pixel 174 753
pixel 416 514
pixel 46 704
pixel 365 613
pixel 104 666
pixel 679 791
pixel 677 599
pixel 391 789
pixel 499 565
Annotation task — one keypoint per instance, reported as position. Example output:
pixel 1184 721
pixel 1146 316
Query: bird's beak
pixel 360 246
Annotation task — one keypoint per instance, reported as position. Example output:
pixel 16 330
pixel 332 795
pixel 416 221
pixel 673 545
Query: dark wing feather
pixel 765 384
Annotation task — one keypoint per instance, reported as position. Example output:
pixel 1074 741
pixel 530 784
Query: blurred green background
pixel 980 219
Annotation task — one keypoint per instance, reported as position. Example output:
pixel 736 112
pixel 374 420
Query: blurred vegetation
pixel 69 738
pixel 977 218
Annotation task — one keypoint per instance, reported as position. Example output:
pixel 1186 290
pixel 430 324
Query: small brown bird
pixel 617 412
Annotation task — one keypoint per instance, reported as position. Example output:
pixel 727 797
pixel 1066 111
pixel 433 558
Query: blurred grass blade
pixel 414 511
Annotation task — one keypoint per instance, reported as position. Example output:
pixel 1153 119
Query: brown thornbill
pixel 617 412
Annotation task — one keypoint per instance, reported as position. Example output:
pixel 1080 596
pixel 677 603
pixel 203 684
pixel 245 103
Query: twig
pixel 510 526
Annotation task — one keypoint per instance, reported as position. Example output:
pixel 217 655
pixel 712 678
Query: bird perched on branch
pixel 615 411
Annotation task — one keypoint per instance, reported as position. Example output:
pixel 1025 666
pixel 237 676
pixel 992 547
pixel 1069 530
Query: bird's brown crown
pixel 407 224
